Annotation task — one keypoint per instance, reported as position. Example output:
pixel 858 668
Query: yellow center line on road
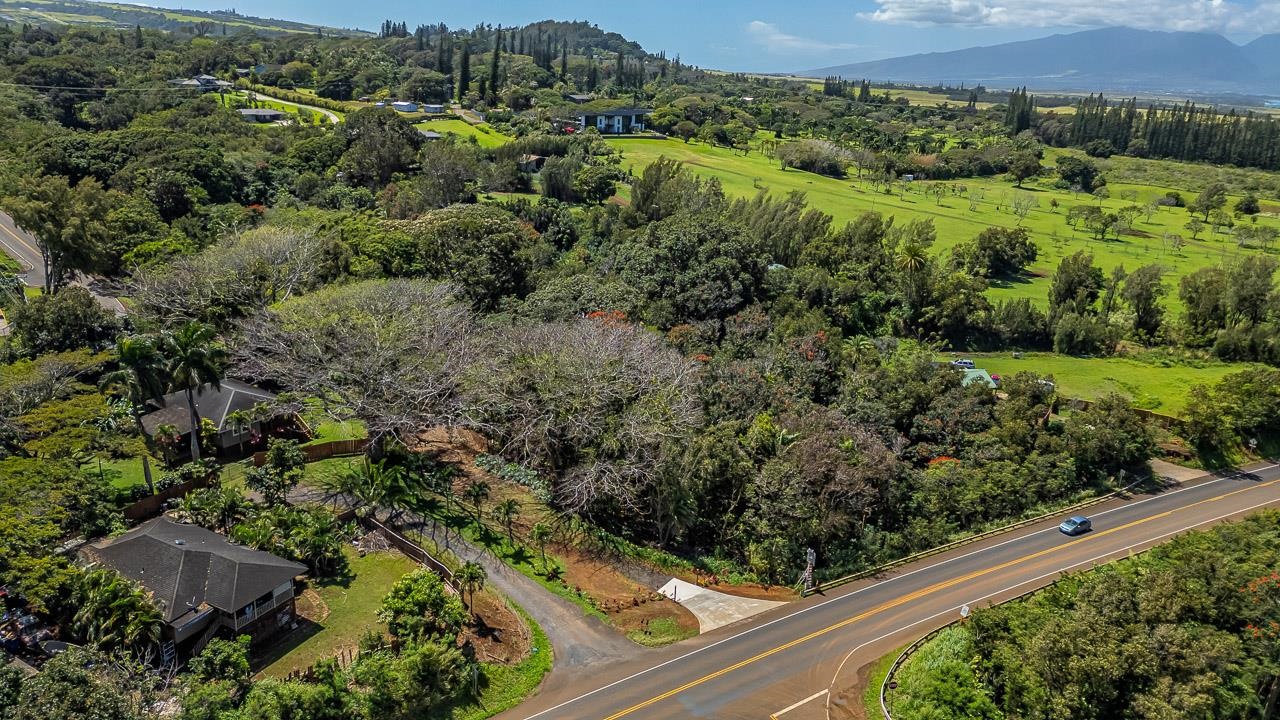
pixel 18 237
pixel 919 594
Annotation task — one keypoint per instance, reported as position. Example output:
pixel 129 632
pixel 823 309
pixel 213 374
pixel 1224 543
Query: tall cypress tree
pixel 464 71
pixel 564 60
pixel 137 36
pixel 494 67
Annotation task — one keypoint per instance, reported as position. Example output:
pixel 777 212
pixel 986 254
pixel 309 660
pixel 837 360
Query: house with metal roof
pixel 262 115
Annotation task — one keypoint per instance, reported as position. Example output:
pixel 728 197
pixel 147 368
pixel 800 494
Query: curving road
pixel 802 662
pixel 22 247
pixel 333 116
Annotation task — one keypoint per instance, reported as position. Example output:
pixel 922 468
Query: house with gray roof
pixel 614 122
pixel 219 406
pixel 262 115
pixel 200 581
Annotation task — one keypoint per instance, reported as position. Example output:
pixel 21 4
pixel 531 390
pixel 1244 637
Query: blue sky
pixel 774 36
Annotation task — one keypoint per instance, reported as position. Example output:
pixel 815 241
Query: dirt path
pixel 577 639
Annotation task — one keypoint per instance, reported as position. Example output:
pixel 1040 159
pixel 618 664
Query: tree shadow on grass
pixel 520 556
pixel 1005 282
pixel 284 644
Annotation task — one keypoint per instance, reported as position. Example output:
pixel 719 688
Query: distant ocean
pixel 1273 103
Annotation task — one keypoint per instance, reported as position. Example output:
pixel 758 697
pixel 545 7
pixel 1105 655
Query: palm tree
pixel 139 377
pixel 506 512
pixel 195 360
pixel 477 493
pixel 114 613
pixel 541 535
pixel 912 258
pixel 373 484
pixel 470 577
pixel 239 422
pixel 167 437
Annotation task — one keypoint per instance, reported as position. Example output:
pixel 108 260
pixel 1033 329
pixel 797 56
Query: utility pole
pixel 810 557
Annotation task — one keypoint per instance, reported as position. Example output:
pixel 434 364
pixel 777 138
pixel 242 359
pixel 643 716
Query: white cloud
pixel 776 41
pixel 1229 16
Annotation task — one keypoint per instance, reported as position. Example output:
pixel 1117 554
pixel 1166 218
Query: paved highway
pixel 22 247
pixel 803 661
pixel 19 245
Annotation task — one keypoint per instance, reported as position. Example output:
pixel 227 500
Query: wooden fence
pixel 321 451
pixel 152 505
pixel 1167 422
pixel 411 549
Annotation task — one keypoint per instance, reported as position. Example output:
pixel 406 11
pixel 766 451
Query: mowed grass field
pixel 846 199
pixel 485 136
pixel 1152 386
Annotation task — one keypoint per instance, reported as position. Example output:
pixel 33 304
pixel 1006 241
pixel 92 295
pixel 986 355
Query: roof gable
pixel 213 404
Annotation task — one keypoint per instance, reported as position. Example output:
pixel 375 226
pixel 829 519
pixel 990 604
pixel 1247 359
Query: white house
pixel 433 109
pixel 404 106
pixel 614 122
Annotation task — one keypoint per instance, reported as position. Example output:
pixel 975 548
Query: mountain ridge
pixel 1107 59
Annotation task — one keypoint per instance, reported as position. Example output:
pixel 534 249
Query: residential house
pixel 579 98
pixel 531 163
pixel 202 83
pixel 262 115
pixel 429 134
pixel 215 405
pixel 433 109
pixel 404 106
pixel 978 375
pixel 614 122
pixel 201 582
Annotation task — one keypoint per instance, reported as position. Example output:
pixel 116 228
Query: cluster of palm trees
pixel 310 535
pixel 185 359
pixel 114 613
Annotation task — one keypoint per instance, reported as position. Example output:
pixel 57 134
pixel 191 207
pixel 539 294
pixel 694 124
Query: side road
pixel 333 117
pixel 19 245
pixel 576 639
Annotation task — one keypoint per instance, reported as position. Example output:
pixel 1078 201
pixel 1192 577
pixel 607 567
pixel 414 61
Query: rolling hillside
pixel 120 15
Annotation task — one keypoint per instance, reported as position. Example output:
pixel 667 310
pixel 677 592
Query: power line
pixel 99 89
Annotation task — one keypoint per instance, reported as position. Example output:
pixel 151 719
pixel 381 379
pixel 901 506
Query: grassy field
pixel 127 473
pixel 745 175
pixel 353 604
pixel 927 99
pixel 485 136
pixel 1151 385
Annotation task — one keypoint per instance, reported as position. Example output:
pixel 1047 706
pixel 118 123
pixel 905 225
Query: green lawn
pixel 745 175
pixel 485 136
pixel 353 604
pixel 1151 385
pixel 326 429
pixel 126 473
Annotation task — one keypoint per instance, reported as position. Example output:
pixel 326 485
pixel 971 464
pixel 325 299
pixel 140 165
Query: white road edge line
pixel 795 705
pixel 1096 558
pixel 839 598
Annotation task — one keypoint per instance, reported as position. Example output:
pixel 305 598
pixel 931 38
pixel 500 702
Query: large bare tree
pixel 390 352
pixel 243 273
pixel 596 403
